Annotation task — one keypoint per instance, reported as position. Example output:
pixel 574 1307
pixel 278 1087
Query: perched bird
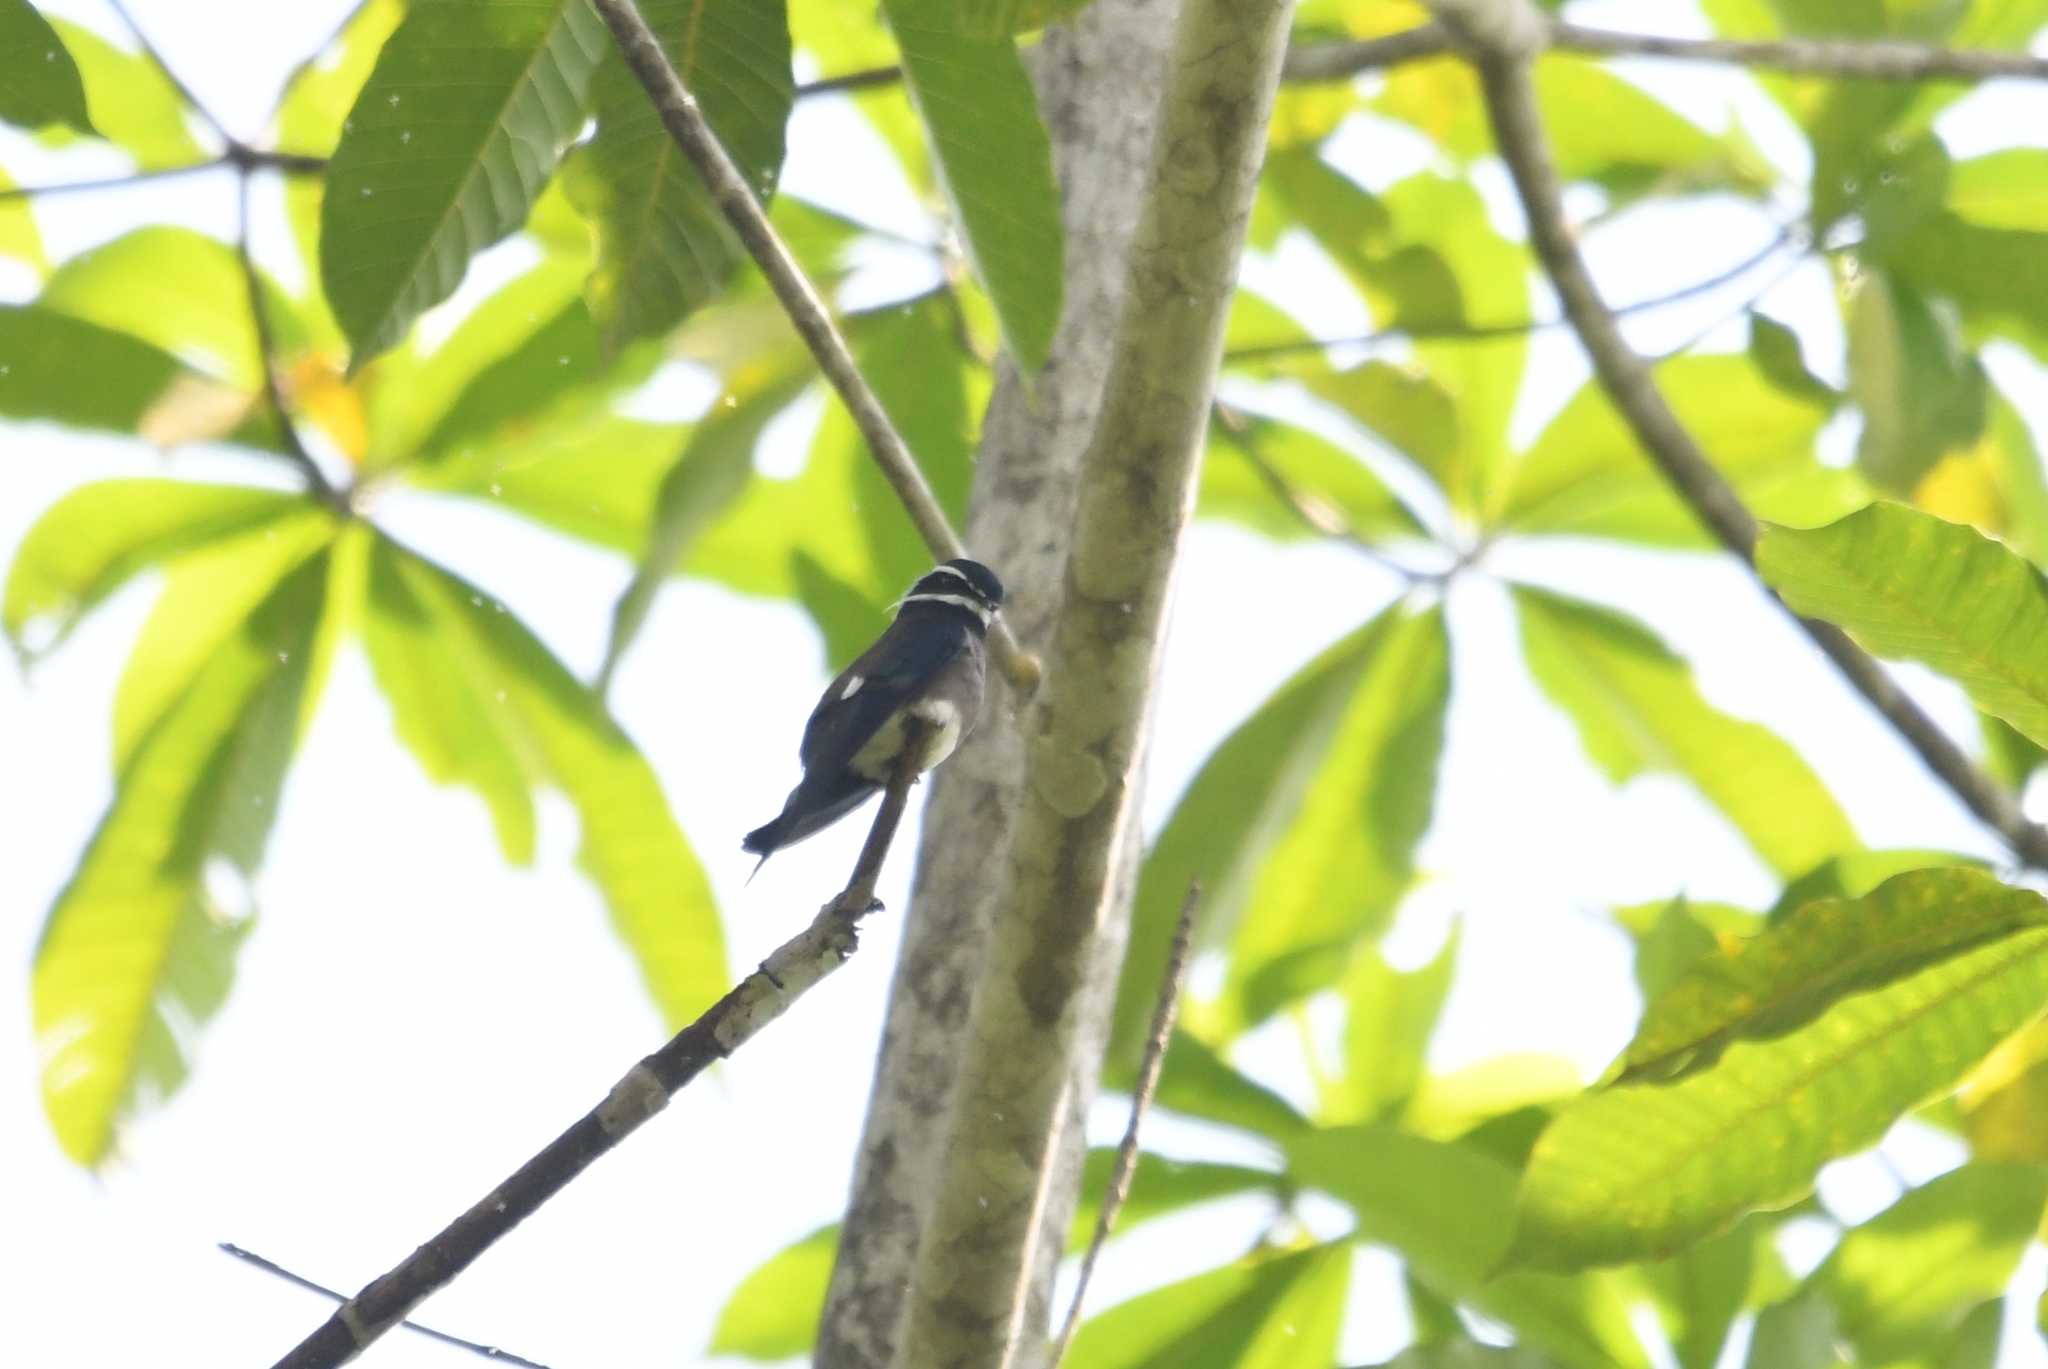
pixel 928 666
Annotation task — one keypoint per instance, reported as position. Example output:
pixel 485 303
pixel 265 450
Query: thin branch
pixel 266 359
pixel 1506 35
pixel 791 971
pixel 128 178
pixel 1171 981
pixel 301 1281
pixel 800 300
pixel 156 59
pixel 1874 61
pixel 1786 236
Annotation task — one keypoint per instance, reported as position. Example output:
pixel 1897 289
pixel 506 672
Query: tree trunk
pixel 968 1170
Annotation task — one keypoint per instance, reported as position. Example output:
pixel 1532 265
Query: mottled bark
pixel 967 1175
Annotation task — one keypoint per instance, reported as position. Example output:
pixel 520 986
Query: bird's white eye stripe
pixel 948 570
pixel 973 606
pixel 851 687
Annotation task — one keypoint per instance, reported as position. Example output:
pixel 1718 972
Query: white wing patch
pixel 850 688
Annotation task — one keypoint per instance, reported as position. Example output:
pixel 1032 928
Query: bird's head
pixel 961 584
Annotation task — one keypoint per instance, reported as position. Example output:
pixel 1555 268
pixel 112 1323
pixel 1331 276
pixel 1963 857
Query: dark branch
pixel 1453 332
pixel 237 155
pixel 266 359
pixel 686 125
pixel 1171 981
pixel 301 1281
pixel 791 971
pixel 873 78
pixel 1505 35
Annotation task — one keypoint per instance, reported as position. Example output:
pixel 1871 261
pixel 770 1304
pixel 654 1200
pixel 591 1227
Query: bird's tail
pixel 763 841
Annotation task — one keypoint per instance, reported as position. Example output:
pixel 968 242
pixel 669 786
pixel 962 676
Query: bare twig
pixel 1869 60
pixel 792 970
pixel 301 1281
pixel 1505 36
pixel 800 300
pixel 1479 332
pixel 1872 61
pixel 156 59
pixel 1171 981
pixel 266 360
pixel 165 173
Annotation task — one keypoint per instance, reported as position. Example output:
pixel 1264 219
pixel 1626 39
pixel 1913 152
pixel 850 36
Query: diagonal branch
pixel 791 971
pixel 1840 57
pixel 266 362
pixel 1171 982
pixel 686 124
pixel 1504 37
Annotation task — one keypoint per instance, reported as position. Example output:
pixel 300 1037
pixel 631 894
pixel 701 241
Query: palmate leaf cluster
pixel 1880 985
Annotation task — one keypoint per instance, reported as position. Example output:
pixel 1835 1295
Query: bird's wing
pixel 889 673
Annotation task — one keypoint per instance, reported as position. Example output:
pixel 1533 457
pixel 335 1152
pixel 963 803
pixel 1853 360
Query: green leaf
pixel 1922 393
pixel 663 247
pixel 1275 478
pixel 1800 1333
pixel 1701 1290
pixel 1300 825
pixel 19 240
pixel 77 373
pixel 430 171
pixel 423 405
pixel 1159 1186
pixel 2010 757
pixel 1910 585
pixel 459 734
pixel 1602 128
pixel 1672 936
pixel 659 899
pixel 1388 1018
pixel 707 477
pixel 179 290
pixel 310 115
pixel 1852 875
pixel 1587 475
pixel 1427 260
pixel 1446 1209
pixel 1789 974
pixel 1638 710
pixel 89 543
pixel 1198 1082
pixel 773 1314
pixel 1264 1312
pixel 209 592
pixel 594 479
pixel 2003 189
pixel 134 105
pixel 136 950
pixel 39 83
pixel 1993 275
pixel 1903 1282
pixel 995 160
pixel 1641 1170
pixel 1456 1352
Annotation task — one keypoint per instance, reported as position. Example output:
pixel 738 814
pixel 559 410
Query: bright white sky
pixel 412 1018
